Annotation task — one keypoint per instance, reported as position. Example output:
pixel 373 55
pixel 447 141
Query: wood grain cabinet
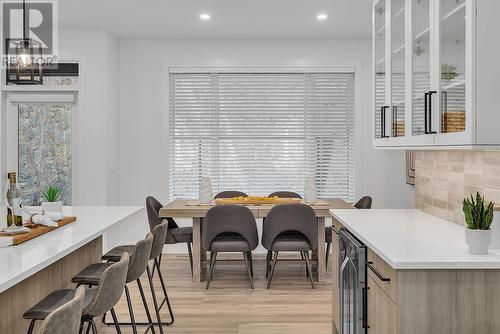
pixel 381 310
pixel 425 301
pixel 435 73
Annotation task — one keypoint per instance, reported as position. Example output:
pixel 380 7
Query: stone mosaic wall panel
pixel 444 178
pixel 44 150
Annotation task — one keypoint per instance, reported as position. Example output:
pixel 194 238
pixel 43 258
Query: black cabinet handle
pixel 382 278
pixel 365 307
pixel 394 121
pixel 428 112
pixel 334 230
pixel 382 121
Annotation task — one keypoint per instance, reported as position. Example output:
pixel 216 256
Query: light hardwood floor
pixel 230 306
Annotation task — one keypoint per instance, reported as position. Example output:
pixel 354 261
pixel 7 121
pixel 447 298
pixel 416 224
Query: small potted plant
pixel 52 196
pixel 478 218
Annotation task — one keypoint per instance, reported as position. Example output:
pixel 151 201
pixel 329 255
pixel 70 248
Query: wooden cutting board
pixel 246 200
pixel 37 231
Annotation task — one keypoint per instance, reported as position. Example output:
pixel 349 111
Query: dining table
pixel 195 210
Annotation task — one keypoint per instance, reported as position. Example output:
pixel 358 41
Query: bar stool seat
pixel 114 254
pixel 91 275
pixel 43 308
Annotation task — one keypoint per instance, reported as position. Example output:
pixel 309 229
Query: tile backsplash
pixel 444 178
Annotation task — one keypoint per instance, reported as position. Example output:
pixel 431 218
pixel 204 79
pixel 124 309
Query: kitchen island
pixel 33 269
pixel 420 277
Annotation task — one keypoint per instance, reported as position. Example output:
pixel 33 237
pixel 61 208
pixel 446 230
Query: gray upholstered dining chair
pixel 285 194
pixel 175 234
pixel 289 228
pixel 159 232
pixel 66 318
pixel 364 203
pixel 98 300
pixel 230 228
pixel 230 194
pixel 139 257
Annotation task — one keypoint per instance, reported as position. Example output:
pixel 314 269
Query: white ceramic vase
pixel 310 190
pixel 206 193
pixel 478 240
pixel 53 206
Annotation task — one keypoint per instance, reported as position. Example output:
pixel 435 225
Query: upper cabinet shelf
pixel 435 72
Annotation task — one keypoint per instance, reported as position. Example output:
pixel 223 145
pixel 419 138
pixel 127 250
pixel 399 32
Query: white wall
pixel 143 158
pixel 97 132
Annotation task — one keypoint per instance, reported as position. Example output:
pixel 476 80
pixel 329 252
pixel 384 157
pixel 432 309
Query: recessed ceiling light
pixel 321 17
pixel 205 16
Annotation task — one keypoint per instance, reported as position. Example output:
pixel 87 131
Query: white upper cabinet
pixel 436 71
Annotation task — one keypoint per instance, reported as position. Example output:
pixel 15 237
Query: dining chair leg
pixel 268 262
pixel 115 320
pixel 165 295
pixel 32 326
pixel 155 301
pixel 89 325
pixel 249 270
pixel 154 268
pixel 308 264
pixel 250 257
pixel 130 310
pixel 146 307
pixel 328 246
pixel 213 258
pixel 270 278
pixel 190 253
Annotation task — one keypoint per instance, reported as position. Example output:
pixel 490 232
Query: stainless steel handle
pixel 382 278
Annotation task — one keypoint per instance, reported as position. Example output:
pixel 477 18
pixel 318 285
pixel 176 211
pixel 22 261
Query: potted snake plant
pixel 52 203
pixel 478 218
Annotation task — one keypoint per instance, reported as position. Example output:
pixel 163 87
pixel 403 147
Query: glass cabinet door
pixel 421 54
pixel 398 81
pixel 452 70
pixel 380 62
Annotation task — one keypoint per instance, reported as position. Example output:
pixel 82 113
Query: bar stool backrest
pixel 290 217
pixel 159 235
pixel 140 257
pixel 109 289
pixel 66 318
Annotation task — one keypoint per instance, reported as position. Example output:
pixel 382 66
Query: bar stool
pixel 97 301
pixel 364 203
pixel 92 274
pixel 66 318
pixel 159 232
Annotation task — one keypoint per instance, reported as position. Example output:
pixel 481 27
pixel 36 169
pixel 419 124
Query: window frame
pixel 357 100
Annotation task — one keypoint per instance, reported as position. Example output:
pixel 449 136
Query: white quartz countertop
pixel 413 239
pixel 21 261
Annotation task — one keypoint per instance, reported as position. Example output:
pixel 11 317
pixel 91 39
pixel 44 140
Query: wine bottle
pixel 14 200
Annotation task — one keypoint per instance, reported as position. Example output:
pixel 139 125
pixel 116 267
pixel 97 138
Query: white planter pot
pixel 478 240
pixel 53 206
pixel 495 231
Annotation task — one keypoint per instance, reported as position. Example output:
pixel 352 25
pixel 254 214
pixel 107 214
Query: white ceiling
pixel 230 19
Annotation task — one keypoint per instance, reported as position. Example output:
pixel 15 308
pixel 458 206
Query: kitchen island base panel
pixel 448 301
pixel 20 297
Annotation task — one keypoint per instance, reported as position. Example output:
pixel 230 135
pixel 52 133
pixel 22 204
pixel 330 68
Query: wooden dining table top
pixel 193 208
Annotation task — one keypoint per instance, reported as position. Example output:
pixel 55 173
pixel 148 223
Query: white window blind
pixel 262 132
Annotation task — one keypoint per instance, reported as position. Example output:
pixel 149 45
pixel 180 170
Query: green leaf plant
pixel 478 216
